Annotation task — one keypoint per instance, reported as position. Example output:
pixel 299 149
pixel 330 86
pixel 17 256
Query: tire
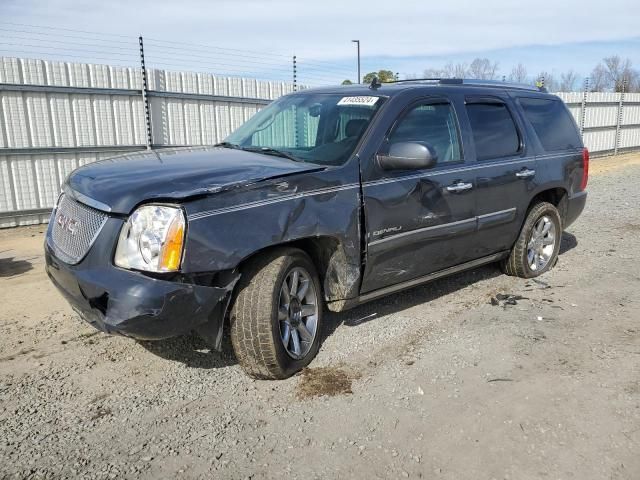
pixel 258 326
pixel 545 248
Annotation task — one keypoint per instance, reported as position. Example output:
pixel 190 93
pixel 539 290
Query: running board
pixel 367 297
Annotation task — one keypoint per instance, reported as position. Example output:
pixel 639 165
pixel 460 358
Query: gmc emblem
pixel 67 223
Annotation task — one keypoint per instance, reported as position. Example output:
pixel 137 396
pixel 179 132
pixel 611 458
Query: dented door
pixel 419 221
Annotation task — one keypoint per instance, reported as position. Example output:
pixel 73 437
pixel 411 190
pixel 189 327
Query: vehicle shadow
pixel 406 299
pixel 10 267
pixel 568 242
pixel 193 351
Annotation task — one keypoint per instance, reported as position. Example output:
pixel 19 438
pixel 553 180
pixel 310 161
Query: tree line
pixel 612 74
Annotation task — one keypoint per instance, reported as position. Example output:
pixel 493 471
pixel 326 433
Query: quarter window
pixel 494 131
pixel 552 122
pixel 434 125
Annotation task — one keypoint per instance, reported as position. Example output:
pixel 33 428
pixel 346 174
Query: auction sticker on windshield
pixel 363 100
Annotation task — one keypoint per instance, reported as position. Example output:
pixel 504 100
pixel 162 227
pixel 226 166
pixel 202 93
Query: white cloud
pixel 404 35
pixel 323 29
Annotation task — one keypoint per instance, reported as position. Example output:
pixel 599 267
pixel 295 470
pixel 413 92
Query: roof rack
pixel 473 82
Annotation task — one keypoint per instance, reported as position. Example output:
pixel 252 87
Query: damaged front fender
pixel 318 212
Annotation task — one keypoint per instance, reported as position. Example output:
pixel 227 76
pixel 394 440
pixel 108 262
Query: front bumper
pixel 119 301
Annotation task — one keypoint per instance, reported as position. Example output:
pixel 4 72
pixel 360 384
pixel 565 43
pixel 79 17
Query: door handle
pixel 459 187
pixel 525 173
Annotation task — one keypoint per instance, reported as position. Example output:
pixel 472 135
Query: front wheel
pixel 276 318
pixel 538 244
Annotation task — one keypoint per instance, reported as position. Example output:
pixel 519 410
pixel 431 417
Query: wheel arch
pixel 339 277
pixel 556 196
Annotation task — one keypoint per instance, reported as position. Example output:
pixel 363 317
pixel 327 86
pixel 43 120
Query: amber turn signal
pixel 171 253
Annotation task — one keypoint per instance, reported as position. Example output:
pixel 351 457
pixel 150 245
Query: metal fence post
pixel 583 107
pixel 145 96
pixel 619 122
pixel 295 74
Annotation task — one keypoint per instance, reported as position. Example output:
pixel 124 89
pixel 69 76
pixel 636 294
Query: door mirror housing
pixel 408 156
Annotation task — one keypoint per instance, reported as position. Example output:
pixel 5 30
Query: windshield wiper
pixel 265 150
pixel 227 145
pixel 270 151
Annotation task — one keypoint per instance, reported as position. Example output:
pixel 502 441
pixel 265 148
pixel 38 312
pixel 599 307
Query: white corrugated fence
pixel 56 116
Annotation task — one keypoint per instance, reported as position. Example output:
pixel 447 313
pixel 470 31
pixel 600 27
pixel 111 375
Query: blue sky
pixel 404 36
pixel 555 59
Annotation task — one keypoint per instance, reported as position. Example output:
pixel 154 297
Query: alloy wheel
pixel 541 244
pixel 298 312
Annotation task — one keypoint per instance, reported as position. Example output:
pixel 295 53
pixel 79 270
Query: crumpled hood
pixel 123 182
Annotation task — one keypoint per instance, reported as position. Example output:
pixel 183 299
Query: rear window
pixel 494 132
pixel 552 122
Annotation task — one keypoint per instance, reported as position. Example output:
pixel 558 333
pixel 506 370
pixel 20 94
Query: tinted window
pixel 433 124
pixel 351 121
pixel 552 122
pixel 494 132
pixel 309 127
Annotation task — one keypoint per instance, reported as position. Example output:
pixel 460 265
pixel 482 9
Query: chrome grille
pixel 75 227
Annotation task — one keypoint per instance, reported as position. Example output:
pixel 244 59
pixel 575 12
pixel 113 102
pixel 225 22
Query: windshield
pixel 315 128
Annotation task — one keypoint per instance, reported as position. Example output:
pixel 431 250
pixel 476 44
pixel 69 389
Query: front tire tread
pixel 255 343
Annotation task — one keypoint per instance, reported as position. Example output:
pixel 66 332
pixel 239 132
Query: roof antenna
pixel 375 83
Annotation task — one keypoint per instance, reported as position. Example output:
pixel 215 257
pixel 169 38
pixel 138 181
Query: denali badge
pixel 67 223
pixel 386 230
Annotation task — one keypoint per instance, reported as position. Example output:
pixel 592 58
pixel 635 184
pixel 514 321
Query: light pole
pixel 357 42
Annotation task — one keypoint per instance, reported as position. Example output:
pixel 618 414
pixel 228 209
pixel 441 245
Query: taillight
pixel 585 169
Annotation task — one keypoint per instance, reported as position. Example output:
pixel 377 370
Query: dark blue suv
pixel 326 198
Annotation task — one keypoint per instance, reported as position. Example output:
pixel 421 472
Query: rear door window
pixel 552 122
pixel 494 132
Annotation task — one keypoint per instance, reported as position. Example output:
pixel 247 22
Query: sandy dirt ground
pixel 478 376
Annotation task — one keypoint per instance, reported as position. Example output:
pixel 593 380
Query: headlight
pixel 152 239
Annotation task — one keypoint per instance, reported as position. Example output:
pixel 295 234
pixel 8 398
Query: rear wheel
pixel 538 244
pixel 276 318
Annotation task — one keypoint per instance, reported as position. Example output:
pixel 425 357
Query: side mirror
pixel 408 156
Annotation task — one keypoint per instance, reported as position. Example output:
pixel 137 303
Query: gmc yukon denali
pixel 325 199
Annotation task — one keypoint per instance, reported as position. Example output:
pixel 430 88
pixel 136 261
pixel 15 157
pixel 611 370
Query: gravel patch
pixel 475 376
